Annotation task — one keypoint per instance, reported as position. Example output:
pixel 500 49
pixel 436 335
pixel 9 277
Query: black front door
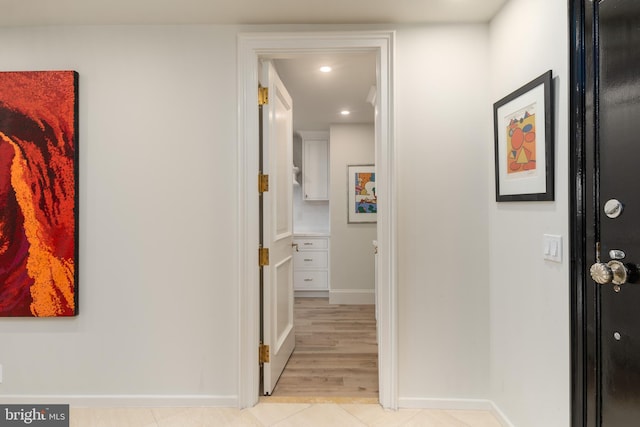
pixel 611 227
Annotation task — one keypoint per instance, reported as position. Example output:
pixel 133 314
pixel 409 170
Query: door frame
pixel 583 367
pixel 251 47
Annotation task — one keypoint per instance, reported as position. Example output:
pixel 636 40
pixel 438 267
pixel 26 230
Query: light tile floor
pixel 280 415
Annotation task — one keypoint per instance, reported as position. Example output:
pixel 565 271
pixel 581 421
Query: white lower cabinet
pixel 310 280
pixel 311 263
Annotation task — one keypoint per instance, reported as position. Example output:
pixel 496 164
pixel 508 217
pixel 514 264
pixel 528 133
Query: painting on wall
pixel 38 193
pixel 362 202
pixel 523 132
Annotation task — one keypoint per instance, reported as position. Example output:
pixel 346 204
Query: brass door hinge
pixel 263 183
pixel 263 95
pixel 263 353
pixel 263 257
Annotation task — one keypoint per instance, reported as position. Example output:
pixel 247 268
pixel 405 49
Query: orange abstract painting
pixel 365 193
pixel 38 193
pixel 521 142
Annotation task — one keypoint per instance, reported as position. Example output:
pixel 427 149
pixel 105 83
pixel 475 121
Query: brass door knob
pixel 601 273
pixel 614 272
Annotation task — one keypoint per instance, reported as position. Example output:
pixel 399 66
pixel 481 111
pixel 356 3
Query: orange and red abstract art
pixel 521 142
pixel 38 193
pixel 365 193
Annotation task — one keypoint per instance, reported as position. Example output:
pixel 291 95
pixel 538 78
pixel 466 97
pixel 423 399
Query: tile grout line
pixel 285 418
pixel 411 418
pixel 353 416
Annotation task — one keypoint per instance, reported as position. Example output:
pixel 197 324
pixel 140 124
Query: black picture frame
pixel 524 143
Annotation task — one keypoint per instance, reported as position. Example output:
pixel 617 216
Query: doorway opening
pixel 252 48
pixel 335 352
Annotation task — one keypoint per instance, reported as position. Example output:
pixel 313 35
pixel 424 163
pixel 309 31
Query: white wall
pixel 157 219
pixel 530 366
pixel 352 256
pixel 157 147
pixel 443 142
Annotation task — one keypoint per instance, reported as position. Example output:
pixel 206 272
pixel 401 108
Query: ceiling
pixel 318 97
pixel 90 12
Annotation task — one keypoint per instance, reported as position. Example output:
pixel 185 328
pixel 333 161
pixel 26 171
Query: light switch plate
pixel 552 247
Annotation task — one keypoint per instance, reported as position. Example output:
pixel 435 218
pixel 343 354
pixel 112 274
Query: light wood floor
pixel 336 352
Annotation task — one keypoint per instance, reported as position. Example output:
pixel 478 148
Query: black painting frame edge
pixel 546 79
pixel 76 172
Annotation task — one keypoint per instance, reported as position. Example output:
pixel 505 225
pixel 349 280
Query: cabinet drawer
pixel 309 260
pixel 307 244
pixel 307 280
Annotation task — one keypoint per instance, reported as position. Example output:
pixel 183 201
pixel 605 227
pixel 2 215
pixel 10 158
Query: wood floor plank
pixel 336 352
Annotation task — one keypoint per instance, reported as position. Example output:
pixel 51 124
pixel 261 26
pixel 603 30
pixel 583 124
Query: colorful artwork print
pixel 38 193
pixel 365 193
pixel 521 141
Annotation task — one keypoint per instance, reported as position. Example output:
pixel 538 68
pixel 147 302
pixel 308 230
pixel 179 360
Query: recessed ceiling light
pixel 345 112
pixel 325 69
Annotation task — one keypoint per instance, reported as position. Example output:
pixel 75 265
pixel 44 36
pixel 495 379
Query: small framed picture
pixel 362 202
pixel 523 132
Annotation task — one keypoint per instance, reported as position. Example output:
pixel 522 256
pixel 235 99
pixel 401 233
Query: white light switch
pixel 552 247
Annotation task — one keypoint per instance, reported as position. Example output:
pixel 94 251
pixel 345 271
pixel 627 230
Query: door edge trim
pixel 577 213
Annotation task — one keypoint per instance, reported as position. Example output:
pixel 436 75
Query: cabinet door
pixel 315 169
pixel 310 244
pixel 310 280
pixel 310 260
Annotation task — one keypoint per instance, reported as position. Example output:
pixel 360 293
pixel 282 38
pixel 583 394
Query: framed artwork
pixel 362 202
pixel 38 193
pixel 523 132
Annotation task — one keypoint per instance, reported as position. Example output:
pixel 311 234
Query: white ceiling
pixel 317 97
pixel 56 12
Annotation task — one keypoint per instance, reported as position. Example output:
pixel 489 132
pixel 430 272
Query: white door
pixel 277 162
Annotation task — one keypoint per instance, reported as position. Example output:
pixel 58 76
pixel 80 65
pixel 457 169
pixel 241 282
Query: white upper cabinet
pixel 315 165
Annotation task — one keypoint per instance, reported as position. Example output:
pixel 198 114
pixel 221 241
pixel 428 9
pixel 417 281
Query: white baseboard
pixel 500 416
pixel 456 404
pixel 311 294
pixel 352 296
pixel 125 401
pixel 463 404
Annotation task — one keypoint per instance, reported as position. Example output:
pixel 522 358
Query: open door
pixel 278 334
